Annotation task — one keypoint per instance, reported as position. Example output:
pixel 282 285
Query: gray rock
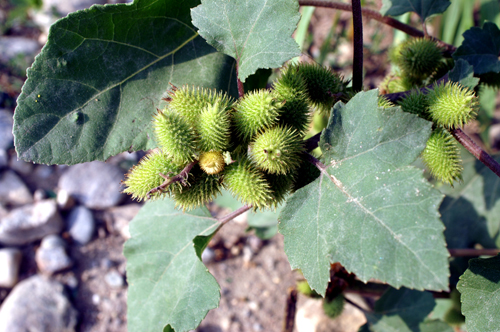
pixel 6 137
pixel 10 47
pixel 20 166
pixel 30 223
pixel 114 279
pixel 96 185
pixel 81 225
pixel 51 256
pixel 64 200
pixel 43 171
pixel 118 218
pixel 10 261
pixel 13 190
pixel 4 158
pixel 208 256
pixel 37 305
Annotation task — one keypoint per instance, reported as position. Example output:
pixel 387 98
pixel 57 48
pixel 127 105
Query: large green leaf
pixel 400 310
pixel 257 33
pixel 93 89
pixel 168 283
pixel 368 210
pixel 480 48
pixel 463 73
pixel 480 294
pixel 424 8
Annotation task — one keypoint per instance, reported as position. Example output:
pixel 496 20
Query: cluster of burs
pixel 449 105
pixel 252 146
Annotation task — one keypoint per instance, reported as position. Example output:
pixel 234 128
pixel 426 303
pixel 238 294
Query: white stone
pixel 10 261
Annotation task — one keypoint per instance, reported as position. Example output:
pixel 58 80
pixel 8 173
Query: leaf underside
pixel 93 89
pixel 168 283
pixel 424 8
pixel 479 287
pixel 257 33
pixel 463 73
pixel 368 210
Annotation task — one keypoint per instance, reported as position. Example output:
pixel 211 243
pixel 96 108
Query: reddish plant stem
pixel 476 151
pixel 230 216
pixel 357 65
pixel 241 89
pixel 473 252
pixel 290 310
pixel 368 13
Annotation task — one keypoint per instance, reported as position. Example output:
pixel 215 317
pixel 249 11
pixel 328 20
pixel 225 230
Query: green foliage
pixel 424 8
pixel 94 65
pixel 480 298
pixel 356 204
pixel 256 33
pixel 168 283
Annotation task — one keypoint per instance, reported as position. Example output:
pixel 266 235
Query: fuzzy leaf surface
pixel 168 283
pixel 257 33
pixel 424 8
pixel 92 91
pixel 368 210
pixel 400 310
pixel 480 48
pixel 479 287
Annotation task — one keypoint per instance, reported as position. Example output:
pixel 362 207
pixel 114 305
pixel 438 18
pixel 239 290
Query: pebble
pixel 6 137
pixel 494 135
pixel 118 218
pixel 39 195
pixel 20 166
pixel 81 225
pixel 10 261
pixel 43 171
pixel 39 305
pixel 30 223
pixel 4 159
pixel 13 190
pixel 208 256
pixel 64 200
pixel 96 185
pixel 51 256
pixel 10 47
pixel 114 279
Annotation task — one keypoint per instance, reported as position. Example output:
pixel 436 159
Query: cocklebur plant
pixel 358 201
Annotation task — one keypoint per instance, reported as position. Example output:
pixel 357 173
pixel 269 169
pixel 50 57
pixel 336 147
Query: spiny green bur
pixel 277 150
pixel 452 105
pixel 190 101
pixel 146 175
pixel 248 183
pixel 419 57
pixel 203 188
pixel 257 110
pixel 442 156
pixel 175 136
pixel 415 103
pixel 334 308
pixel 322 85
pixel 280 185
pixel 384 102
pixel 213 127
pixel 291 88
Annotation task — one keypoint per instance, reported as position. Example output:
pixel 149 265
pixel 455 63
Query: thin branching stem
pixel 476 151
pixel 241 89
pixel 470 252
pixel 357 66
pixel 368 13
pixel 290 310
pixel 230 216
pixel 181 177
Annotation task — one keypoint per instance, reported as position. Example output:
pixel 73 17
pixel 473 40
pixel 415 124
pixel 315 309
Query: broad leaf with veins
pixel 424 8
pixel 92 91
pixel 257 33
pixel 369 210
